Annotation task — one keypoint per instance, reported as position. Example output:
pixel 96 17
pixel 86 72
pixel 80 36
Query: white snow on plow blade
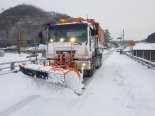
pixel 73 82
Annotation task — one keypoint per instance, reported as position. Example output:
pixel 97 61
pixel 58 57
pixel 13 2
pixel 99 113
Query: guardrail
pixel 142 61
pixel 12 65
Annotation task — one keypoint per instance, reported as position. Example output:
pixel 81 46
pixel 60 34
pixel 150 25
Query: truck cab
pixel 79 37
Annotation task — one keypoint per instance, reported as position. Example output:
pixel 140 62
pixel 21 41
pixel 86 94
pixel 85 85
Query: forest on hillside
pixel 25 18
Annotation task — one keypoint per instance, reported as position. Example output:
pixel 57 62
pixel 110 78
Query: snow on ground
pixel 17 87
pixel 121 87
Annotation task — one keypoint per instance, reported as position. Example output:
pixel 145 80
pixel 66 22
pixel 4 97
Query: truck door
pixel 92 40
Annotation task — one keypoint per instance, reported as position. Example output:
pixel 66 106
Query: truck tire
pixel 90 72
pixel 100 61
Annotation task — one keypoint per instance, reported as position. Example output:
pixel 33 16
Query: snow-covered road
pixel 121 87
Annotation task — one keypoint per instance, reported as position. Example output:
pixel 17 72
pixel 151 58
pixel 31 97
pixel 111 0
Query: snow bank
pixel 15 87
pixel 122 87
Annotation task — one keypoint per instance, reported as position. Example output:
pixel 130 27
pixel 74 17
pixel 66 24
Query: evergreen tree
pixel 107 35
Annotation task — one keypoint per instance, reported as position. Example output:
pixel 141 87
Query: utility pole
pixel 87 16
pixel 123 34
pixel 19 42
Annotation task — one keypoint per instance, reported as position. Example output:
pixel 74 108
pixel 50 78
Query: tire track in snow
pixel 18 105
pixel 88 80
pixel 89 83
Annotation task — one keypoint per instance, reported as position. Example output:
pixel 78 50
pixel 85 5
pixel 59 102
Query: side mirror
pixel 93 32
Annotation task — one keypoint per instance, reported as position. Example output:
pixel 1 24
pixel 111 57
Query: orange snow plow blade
pixel 70 77
pixel 62 69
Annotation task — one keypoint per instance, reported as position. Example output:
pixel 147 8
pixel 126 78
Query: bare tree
pixel 18 37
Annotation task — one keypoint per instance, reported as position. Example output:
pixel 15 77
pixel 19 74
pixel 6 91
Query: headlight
pixel 83 64
pixel 62 39
pixel 72 39
pixel 51 40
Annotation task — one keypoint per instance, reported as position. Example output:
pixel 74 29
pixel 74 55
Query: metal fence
pixel 11 66
pixel 141 60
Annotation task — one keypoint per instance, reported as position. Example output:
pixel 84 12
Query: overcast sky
pixel 136 17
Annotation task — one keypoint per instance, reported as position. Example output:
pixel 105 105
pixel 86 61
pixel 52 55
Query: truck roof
pixel 65 21
pixel 69 26
pixel 80 22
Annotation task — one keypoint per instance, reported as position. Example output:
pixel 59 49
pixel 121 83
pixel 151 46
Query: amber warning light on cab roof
pixel 67 20
pixel 77 19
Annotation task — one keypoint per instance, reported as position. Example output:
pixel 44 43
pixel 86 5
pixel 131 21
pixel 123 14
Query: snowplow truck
pixel 79 36
pixel 72 51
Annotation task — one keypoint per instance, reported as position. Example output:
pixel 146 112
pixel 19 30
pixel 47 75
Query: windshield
pixel 66 32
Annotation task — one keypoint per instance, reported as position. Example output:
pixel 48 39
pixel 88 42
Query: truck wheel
pixel 90 72
pixel 99 62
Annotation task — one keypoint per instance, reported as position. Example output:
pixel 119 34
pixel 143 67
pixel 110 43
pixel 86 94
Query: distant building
pixel 145 50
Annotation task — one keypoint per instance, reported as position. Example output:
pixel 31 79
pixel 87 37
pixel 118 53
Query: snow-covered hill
pixel 121 87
